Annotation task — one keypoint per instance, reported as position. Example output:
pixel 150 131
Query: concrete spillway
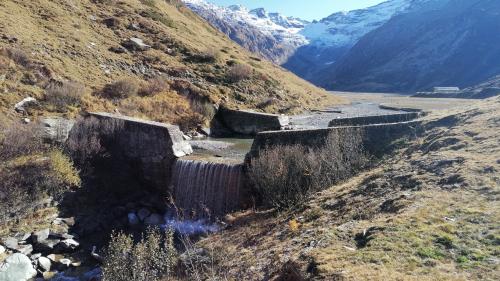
pixel 203 189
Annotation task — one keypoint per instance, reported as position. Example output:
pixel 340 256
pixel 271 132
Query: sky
pixel 305 9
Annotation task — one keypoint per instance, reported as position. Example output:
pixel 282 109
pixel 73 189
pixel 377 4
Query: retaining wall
pixel 375 119
pixel 140 149
pixel 245 122
pixel 375 137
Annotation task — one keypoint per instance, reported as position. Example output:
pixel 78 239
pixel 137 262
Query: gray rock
pixel 23 105
pixel 17 267
pixel 44 264
pixel 154 219
pixel 143 214
pixel 56 129
pixel 11 243
pixel 65 263
pixel 25 249
pixel 41 235
pixel 46 245
pixel 68 245
pixel 61 236
pixel 133 219
pixel 36 256
pixel 135 44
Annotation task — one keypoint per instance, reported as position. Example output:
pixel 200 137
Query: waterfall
pixel 206 189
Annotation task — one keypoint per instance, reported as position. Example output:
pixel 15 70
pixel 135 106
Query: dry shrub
pixel 285 176
pixel 27 180
pixel 190 122
pixel 154 86
pixel 18 140
pixel 121 89
pixel 152 259
pixel 18 56
pixel 65 94
pixel 239 72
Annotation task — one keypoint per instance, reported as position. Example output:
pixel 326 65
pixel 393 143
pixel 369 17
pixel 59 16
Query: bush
pixel 62 95
pixel 239 72
pixel 285 176
pixel 120 89
pixel 26 180
pixel 18 56
pixel 19 140
pixel 154 86
pixel 151 259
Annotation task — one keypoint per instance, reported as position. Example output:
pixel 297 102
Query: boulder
pixel 56 129
pixel 46 245
pixel 135 44
pixel 17 267
pixel 25 249
pixel 41 235
pixel 2 249
pixel 67 245
pixel 11 243
pixel 154 219
pixel 44 264
pixel 23 105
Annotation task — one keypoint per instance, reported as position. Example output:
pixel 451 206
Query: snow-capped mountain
pixel 293 41
pixel 272 35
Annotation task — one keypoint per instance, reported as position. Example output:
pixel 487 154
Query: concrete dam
pixel 158 155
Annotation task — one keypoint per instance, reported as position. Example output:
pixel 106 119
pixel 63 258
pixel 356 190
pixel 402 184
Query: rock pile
pixel 44 253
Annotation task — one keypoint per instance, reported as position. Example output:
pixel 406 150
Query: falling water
pixel 206 189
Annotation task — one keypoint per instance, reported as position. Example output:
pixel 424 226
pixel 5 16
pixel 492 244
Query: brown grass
pixel 239 72
pixel 120 89
pixel 60 96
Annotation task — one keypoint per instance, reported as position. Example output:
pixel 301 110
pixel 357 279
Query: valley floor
pixel 429 211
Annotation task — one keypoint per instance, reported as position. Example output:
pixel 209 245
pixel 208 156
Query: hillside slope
pixel 438 43
pixel 52 42
pixel 427 212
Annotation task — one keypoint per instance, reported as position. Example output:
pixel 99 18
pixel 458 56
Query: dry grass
pixel 60 96
pixel 84 54
pixel 411 218
pixel 239 72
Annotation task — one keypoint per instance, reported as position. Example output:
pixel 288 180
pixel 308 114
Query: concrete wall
pixel 375 137
pixel 143 150
pixel 244 122
pixel 376 119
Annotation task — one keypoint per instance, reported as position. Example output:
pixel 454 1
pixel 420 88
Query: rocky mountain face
pixel 272 35
pixel 435 43
pixel 396 46
pixel 332 37
pixel 305 48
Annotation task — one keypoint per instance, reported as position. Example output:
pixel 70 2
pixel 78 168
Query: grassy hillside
pixel 427 212
pixel 47 42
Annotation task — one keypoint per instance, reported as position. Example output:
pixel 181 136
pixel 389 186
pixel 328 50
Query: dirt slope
pixel 430 211
pixel 73 41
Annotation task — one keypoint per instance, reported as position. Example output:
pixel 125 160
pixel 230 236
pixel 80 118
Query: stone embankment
pixel 245 122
